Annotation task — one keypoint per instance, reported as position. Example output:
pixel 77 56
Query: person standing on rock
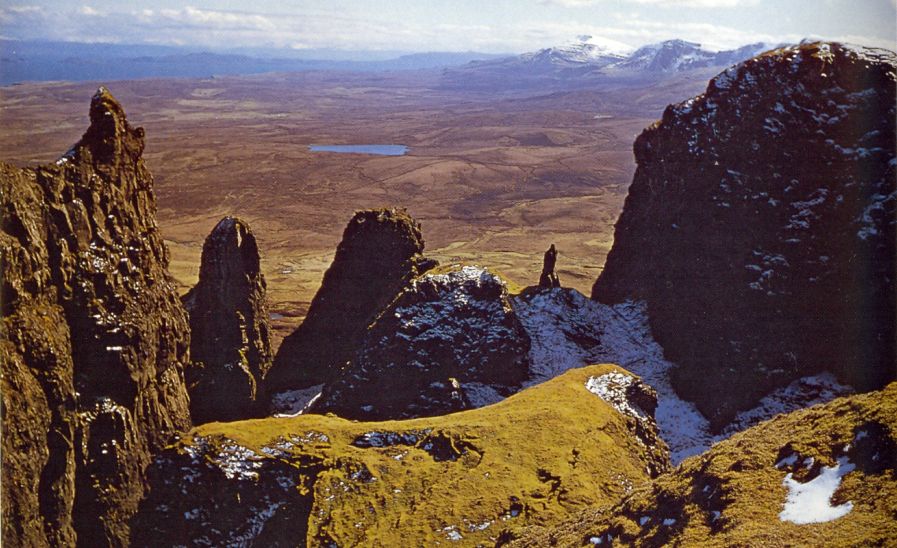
pixel 549 277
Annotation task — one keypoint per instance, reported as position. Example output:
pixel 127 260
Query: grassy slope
pixel 556 447
pixel 746 487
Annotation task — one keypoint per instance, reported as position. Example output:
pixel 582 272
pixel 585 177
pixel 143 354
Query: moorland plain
pixel 493 177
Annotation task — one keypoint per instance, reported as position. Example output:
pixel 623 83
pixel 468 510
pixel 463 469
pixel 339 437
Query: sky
pixel 490 26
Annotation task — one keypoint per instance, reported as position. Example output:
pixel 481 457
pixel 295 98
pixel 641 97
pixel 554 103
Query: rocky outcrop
pixel 760 227
pixel 549 278
pixel 379 254
pixel 94 340
pixel 446 330
pixel 463 479
pixel 231 341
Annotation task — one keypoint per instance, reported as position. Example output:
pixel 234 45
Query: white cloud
pixel 14 16
pixel 569 3
pixel 23 9
pixel 708 4
pixel 346 30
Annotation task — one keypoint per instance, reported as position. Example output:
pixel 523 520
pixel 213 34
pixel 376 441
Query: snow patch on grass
pixel 810 502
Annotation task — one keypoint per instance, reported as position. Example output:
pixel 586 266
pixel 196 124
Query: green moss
pixel 532 459
pixel 738 478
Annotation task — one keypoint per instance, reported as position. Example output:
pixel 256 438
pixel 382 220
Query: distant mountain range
pixel 22 61
pixel 678 55
pixel 583 62
pixel 42 61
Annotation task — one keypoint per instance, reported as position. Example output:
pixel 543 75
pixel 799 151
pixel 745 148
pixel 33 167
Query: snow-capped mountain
pixel 679 55
pixel 586 51
pixel 571 55
pixel 589 60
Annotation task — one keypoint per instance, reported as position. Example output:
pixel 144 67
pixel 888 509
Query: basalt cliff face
pixel 760 227
pixel 231 342
pixel 94 342
pixel 379 254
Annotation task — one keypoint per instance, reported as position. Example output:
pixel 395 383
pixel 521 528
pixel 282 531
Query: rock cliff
pixel 231 341
pixel 760 227
pixel 379 254
pixel 94 341
pixel 444 332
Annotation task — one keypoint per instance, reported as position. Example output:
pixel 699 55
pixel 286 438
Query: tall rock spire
pixel 94 340
pixel 231 341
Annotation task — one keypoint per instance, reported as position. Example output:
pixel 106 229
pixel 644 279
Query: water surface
pixel 381 150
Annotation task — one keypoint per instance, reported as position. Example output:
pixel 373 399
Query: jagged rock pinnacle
pixel 379 254
pixel 110 139
pixel 549 278
pixel 94 339
pixel 231 341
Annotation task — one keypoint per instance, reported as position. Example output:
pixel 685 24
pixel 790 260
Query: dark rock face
pixel 760 227
pixel 217 493
pixel 231 341
pixel 94 340
pixel 443 331
pixel 379 254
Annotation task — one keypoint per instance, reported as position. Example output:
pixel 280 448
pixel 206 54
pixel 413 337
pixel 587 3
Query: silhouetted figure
pixel 549 277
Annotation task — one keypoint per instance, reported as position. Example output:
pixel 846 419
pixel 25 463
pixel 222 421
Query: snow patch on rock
pixel 481 395
pixel 612 387
pixel 291 403
pixel 568 330
pixel 803 392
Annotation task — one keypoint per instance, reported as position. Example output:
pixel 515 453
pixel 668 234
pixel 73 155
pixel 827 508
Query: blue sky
pixel 503 26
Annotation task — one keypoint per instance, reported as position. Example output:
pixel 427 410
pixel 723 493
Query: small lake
pixel 380 150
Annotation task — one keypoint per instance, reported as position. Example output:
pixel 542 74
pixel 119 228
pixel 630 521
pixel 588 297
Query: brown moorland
pixel 494 178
